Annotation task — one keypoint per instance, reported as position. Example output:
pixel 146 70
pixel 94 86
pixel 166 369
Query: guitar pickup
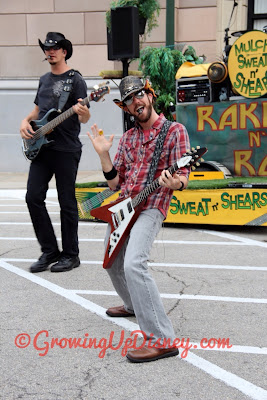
pixel 115 220
pixel 122 215
pixel 129 206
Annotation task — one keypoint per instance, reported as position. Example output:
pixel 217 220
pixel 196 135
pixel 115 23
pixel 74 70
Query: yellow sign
pixel 244 206
pixel 247 64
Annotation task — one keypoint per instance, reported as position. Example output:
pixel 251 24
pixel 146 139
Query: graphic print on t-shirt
pixel 57 88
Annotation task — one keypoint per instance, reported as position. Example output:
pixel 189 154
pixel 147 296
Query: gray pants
pixel 134 284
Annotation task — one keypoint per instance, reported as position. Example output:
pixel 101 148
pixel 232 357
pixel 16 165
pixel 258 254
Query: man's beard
pixel 139 118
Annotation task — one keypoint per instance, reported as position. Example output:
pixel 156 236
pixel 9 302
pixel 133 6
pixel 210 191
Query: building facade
pixel 200 24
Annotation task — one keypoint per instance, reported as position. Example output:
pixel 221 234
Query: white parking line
pixel 34 239
pixel 248 388
pixel 165 265
pixel 50 203
pixel 182 296
pixel 188 242
pixel 20 193
pixel 81 223
pixel 230 379
pixel 233 237
pixel 25 212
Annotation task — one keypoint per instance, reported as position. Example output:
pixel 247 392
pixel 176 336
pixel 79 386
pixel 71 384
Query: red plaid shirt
pixel 134 156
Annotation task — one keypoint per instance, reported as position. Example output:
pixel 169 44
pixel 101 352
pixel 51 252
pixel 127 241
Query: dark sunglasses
pixel 139 95
pixel 56 47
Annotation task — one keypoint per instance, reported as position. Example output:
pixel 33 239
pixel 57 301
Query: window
pixel 257 15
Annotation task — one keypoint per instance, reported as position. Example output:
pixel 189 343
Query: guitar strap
pixel 158 150
pixel 65 92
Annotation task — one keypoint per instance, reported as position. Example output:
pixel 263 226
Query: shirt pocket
pixel 129 154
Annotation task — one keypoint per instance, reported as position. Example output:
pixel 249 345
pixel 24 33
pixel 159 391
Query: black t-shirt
pixel 66 134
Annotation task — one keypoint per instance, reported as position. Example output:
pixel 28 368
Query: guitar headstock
pixel 99 93
pixel 192 157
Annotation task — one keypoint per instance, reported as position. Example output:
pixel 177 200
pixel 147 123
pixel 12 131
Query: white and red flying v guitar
pixel 123 213
pixel 52 118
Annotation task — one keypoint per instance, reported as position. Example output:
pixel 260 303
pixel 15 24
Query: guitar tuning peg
pixel 197 164
pixel 193 149
pixel 198 147
pixel 202 160
pixel 193 168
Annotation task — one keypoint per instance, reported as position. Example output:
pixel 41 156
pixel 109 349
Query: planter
pixel 142 25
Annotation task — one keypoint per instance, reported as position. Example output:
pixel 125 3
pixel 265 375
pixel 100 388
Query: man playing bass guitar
pixel 59 158
pixel 129 271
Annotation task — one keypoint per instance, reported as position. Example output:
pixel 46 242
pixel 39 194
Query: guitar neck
pixel 188 159
pixel 60 118
pixel 151 187
pixel 96 200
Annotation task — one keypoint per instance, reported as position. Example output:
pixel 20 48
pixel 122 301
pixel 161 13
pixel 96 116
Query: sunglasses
pixel 56 47
pixel 139 95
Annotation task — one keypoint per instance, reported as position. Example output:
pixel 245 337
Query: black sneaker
pixel 44 261
pixel 65 264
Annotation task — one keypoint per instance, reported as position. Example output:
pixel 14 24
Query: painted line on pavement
pixel 26 212
pixel 20 193
pixel 164 265
pixel 81 223
pixel 50 203
pixel 182 296
pixel 230 379
pixel 189 242
pixel 230 236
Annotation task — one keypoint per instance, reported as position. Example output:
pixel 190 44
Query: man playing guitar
pixel 60 158
pixel 129 271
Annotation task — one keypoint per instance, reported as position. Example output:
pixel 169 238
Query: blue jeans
pixel 134 284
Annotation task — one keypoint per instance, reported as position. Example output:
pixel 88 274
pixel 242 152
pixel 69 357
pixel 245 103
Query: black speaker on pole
pixel 123 39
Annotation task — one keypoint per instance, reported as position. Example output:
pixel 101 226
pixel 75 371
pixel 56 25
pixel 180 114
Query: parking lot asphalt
pixel 213 284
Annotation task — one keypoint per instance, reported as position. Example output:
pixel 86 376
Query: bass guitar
pixel 122 214
pixel 51 120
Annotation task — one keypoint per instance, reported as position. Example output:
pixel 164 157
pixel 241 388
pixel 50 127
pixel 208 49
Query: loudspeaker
pixel 123 40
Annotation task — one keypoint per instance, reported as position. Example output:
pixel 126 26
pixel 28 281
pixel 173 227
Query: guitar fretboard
pixel 56 121
pixel 96 200
pixel 151 188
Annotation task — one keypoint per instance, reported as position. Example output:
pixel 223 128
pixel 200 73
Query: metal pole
pixel 170 22
pixel 125 72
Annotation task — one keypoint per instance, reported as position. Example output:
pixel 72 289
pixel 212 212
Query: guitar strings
pixel 97 199
pixel 60 118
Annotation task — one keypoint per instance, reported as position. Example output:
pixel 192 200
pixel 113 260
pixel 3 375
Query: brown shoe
pixel 119 312
pixel 151 354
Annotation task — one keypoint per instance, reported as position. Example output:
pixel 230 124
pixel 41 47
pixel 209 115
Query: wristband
pixel 111 174
pixel 182 187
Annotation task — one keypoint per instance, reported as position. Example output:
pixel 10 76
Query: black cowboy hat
pixel 57 39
